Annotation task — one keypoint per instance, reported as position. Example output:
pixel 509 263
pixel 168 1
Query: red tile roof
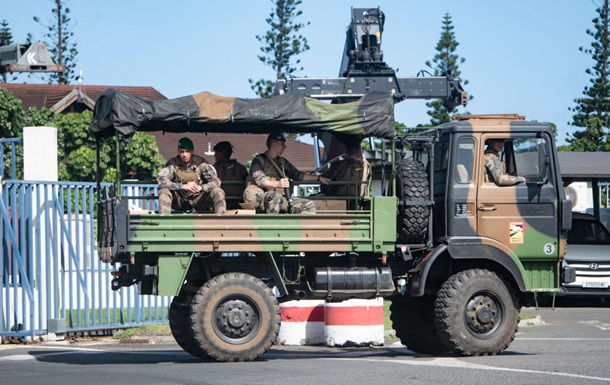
pixel 48 95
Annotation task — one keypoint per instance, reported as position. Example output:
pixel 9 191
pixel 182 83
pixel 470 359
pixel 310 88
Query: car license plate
pixel 595 285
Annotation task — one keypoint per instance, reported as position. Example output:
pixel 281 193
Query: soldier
pixel 189 183
pixel 232 173
pixel 496 169
pixel 354 168
pixel 270 172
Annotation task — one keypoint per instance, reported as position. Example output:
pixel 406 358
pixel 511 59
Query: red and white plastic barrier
pixel 354 322
pixel 302 323
pixel 347 323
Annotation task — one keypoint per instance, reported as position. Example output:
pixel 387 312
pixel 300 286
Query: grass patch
pixel 112 316
pixel 144 331
pixel 525 316
pixel 387 323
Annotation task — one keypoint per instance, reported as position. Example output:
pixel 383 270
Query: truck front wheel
pixel 476 314
pixel 413 321
pixel 235 317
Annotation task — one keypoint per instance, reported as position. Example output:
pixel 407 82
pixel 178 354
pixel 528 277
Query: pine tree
pixel 445 63
pixel 6 38
pixel 280 44
pixel 60 42
pixel 592 111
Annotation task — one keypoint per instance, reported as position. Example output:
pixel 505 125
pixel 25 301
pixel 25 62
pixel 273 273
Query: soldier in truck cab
pixel 270 172
pixel 495 167
pixel 231 173
pixel 189 183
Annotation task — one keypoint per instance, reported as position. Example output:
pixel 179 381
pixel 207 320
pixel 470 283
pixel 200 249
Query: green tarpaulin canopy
pixel 122 113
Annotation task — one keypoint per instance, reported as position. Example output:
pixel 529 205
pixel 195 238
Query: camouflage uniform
pixel 233 175
pixel 176 173
pixel 348 170
pixel 273 201
pixel 496 170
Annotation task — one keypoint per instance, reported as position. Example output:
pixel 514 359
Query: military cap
pixel 186 143
pixel 276 136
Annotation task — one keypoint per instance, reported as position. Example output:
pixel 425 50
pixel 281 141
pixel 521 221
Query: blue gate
pixel 50 273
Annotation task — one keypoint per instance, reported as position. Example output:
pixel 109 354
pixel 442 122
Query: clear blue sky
pixel 521 55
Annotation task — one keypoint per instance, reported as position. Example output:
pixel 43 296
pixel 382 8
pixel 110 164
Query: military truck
pixel 456 256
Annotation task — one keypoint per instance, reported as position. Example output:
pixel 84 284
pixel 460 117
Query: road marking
pixel 455 363
pixel 18 357
pixel 561 339
pixel 597 324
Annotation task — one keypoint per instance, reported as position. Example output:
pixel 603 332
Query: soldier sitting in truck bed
pixel 354 168
pixel 496 169
pixel 189 183
pixel 270 172
pixel 231 173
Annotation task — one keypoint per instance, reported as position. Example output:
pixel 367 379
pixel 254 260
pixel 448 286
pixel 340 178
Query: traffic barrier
pixel 355 322
pixel 302 323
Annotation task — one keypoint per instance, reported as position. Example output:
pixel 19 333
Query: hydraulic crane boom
pixel 363 70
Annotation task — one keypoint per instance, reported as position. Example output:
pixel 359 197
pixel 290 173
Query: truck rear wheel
pixel 476 314
pixel 235 317
pixel 412 186
pixel 180 325
pixel 413 321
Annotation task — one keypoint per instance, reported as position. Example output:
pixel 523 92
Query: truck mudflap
pixel 112 229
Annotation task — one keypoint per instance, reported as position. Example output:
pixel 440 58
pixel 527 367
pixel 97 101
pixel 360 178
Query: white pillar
pixel 40 164
pixel 40 153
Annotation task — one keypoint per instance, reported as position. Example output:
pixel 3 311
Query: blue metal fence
pixel 49 268
pixel 11 143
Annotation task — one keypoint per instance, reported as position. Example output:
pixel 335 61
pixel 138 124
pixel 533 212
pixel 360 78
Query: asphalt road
pixel 572 346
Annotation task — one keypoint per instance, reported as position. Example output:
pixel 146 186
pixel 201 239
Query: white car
pixel 588 254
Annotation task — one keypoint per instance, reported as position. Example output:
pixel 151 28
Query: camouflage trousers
pixel 275 203
pixel 180 200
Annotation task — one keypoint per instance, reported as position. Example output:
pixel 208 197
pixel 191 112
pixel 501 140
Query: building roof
pixel 584 166
pixel 71 98
pixel 61 97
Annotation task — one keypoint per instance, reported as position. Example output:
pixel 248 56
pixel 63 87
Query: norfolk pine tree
pixel 6 38
pixel 592 111
pixel 445 62
pixel 280 44
pixel 60 42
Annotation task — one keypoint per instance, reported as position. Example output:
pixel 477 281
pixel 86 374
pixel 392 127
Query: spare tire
pixel 412 185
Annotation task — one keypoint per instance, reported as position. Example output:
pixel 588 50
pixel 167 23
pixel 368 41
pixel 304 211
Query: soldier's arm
pixel 260 178
pixel 165 178
pixel 209 177
pixel 500 178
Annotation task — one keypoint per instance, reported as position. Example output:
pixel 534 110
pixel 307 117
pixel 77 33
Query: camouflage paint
pixel 522 221
pixel 264 232
pixel 172 271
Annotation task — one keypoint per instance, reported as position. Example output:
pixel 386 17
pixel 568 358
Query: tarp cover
pixel 122 113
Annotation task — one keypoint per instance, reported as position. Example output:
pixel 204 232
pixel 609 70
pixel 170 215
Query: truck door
pixel 523 217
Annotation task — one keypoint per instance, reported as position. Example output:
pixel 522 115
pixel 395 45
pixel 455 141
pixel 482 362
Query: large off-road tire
pixel 412 185
pixel 476 314
pixel 180 325
pixel 413 321
pixel 235 317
